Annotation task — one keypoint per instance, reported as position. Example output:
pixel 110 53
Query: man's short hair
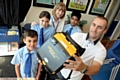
pixel 102 17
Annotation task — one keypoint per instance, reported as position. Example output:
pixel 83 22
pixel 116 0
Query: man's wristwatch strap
pixel 84 70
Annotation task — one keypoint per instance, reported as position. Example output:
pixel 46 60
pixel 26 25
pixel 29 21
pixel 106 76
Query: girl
pixel 43 28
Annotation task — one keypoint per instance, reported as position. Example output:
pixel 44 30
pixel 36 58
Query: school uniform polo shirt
pixel 95 51
pixel 74 30
pixel 47 32
pixel 20 58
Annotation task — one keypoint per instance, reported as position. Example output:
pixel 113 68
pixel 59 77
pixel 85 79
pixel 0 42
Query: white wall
pixel 116 32
pixel 34 12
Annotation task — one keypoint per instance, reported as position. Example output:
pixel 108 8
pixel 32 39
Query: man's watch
pixel 84 70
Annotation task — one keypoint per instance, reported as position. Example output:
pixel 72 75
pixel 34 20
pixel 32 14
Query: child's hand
pixel 33 23
pixel 19 78
pixel 37 78
pixel 39 69
pixel 39 61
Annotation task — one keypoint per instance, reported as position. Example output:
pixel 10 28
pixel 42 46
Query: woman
pixel 57 17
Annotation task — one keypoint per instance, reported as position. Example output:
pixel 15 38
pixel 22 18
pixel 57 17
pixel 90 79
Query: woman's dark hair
pixel 44 14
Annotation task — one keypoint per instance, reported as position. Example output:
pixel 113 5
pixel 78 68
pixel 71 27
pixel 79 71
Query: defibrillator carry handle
pixel 80 50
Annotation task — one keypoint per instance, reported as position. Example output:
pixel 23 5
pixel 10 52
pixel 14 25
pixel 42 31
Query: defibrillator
pixel 56 50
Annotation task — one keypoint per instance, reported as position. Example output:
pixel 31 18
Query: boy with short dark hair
pixel 25 59
pixel 73 27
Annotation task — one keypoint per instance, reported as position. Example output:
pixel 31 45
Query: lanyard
pixel 56 25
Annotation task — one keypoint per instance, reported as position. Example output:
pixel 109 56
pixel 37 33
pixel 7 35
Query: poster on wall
pixel 80 5
pixel 46 3
pixel 99 7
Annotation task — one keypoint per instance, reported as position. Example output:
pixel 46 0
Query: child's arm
pixel 34 23
pixel 17 70
pixel 39 70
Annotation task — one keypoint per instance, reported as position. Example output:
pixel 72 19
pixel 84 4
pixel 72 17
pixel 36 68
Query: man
pixel 90 62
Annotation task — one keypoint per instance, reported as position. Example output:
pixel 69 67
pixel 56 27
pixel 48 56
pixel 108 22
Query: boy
pixel 25 59
pixel 72 27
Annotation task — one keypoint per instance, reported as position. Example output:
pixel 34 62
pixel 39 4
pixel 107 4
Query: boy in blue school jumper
pixel 44 30
pixel 25 59
pixel 73 27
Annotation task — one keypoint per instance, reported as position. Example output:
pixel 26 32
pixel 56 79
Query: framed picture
pixel 99 7
pixel 46 3
pixel 80 5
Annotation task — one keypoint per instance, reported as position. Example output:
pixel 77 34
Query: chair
pixel 114 52
pixel 26 27
pixel 110 69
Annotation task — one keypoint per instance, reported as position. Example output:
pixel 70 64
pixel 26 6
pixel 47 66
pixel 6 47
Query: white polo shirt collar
pixel 94 42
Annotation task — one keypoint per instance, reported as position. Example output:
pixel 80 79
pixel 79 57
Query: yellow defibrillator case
pixel 56 50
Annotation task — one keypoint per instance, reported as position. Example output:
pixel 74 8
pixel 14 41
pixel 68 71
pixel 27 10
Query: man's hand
pixel 76 65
